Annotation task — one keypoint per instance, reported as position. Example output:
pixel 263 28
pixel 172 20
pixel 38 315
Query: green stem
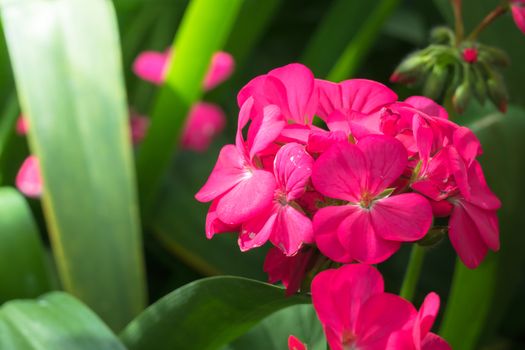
pixel 498 11
pixel 458 20
pixel 412 273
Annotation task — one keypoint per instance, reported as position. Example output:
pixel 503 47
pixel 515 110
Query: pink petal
pixel 292 169
pixel 139 127
pixel 386 158
pixel 441 209
pixel 381 316
pixel 423 136
pixel 151 66
pixel 326 222
pixel 434 342
pixel 338 121
pixel 518 14
pixel 467 144
pixel 297 133
pixel 28 179
pixel 245 114
pixel 249 198
pixel 265 128
pixel 288 269
pixel 362 125
pixel 427 106
pixel 338 295
pixel 356 233
pixel 300 100
pixel 214 225
pixel 291 230
pixel 320 141
pixel 229 170
pixel 365 96
pixel 465 238
pixel 487 223
pixel 295 344
pixel 222 65
pixel 405 217
pixel 480 193
pixel 22 125
pixel 254 89
pixel 205 121
pixel 257 231
pixel 340 171
pixel 426 317
pixel 329 98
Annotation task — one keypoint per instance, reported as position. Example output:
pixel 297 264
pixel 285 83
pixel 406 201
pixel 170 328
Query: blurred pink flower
pixel 151 66
pixel 205 121
pixel 295 344
pixel 371 226
pixel 518 13
pixel 470 55
pixel 22 125
pixel 28 179
pixel 138 127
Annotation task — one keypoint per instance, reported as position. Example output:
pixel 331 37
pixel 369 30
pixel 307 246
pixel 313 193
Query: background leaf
pixel 69 79
pixel 55 321
pixel 205 314
pixel 23 268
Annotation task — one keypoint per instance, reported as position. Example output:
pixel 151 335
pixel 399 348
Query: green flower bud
pixel 461 97
pixel 442 35
pixel 493 56
pixel 435 81
pixel 478 82
pixel 434 236
pixel 498 92
pixel 410 69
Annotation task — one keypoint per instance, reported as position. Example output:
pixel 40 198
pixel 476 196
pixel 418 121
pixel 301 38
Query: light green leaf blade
pixel 205 314
pixel 55 321
pixel 203 31
pixel 68 72
pixel 23 269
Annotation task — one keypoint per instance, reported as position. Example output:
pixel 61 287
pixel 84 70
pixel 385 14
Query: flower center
pixel 367 200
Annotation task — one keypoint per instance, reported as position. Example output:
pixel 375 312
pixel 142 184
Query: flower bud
pixel 435 81
pixel 479 85
pixel 461 97
pixel 410 69
pixel 493 56
pixel 498 92
pixel 434 236
pixel 442 35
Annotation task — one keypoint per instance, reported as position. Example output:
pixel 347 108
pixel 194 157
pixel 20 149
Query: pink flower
pixel 138 127
pixel 238 185
pixel 291 88
pixel 28 179
pixel 151 66
pixel 295 344
pixel 354 310
pixel 288 269
pixel 22 125
pixel 205 121
pixel 518 13
pixel 370 227
pixel 285 224
pixel 470 55
pixel 473 226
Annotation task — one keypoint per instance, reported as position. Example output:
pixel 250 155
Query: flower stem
pixel 498 11
pixel 412 273
pixel 458 20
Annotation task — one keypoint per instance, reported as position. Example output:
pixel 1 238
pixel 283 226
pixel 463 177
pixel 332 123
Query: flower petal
pixel 386 158
pixel 257 231
pixel 29 180
pixel 329 98
pixel 265 128
pixel 295 344
pixel 487 223
pixel 326 222
pixel 434 342
pixel 292 169
pixel 365 96
pixel 292 229
pixel 405 217
pixel 426 316
pixel 427 106
pixel 480 193
pixel 229 170
pixel 249 198
pixel 465 237
pixel 339 172
pixel 204 122
pixel 151 65
pixel 320 141
pixel 222 65
pixel 214 225
pixel 356 233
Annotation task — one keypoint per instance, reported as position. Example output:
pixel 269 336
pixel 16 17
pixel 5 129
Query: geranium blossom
pixel 28 179
pixel 518 13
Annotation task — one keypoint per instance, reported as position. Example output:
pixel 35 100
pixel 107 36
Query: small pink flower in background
pixel 295 344
pixel 138 127
pixel 356 313
pixel 22 125
pixel 151 66
pixel 371 226
pixel 518 13
pixel 470 55
pixel 28 179
pixel 204 122
pixel 290 270
pixel 285 224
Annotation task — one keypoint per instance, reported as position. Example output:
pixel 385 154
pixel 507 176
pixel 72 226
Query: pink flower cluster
pixel 356 313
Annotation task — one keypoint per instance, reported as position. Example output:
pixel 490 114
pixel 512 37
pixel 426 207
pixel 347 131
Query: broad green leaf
pixel 205 314
pixel 273 332
pixel 480 297
pixel 55 321
pixel 204 29
pixel 69 80
pixel 23 269
pixel 179 224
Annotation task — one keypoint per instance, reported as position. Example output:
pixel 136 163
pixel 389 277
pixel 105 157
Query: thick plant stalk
pixel 415 264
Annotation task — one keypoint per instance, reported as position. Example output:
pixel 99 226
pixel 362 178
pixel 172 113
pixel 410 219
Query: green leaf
pixel 55 321
pixel 68 73
pixel 205 314
pixel 203 31
pixel 479 298
pixel 13 147
pixel 273 332
pixel 22 256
